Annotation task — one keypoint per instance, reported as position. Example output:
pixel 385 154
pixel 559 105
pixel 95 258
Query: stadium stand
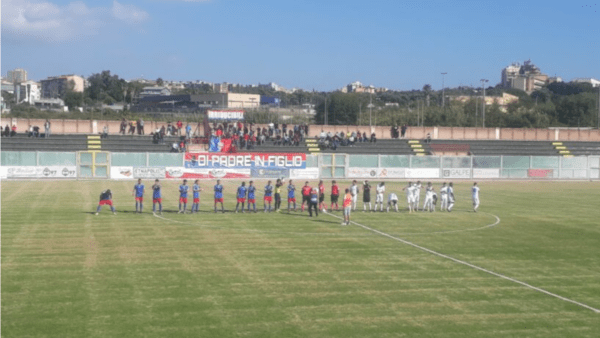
pixel 75 142
pixel 491 147
pixel 382 146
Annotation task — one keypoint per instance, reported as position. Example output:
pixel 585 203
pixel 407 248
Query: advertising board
pixel 149 172
pixel 245 160
pixel 270 173
pixel 456 173
pixel 41 172
pixel 486 173
pixel 422 173
pixel 214 173
pixel 225 114
pixel 121 173
pixel 355 172
pixel 309 173
pixel 540 173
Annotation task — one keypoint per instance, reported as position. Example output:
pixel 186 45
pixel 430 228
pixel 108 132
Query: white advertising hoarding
pixel 40 172
pixel 121 173
pixel 226 114
pixel 308 173
pixel 456 173
pixel 149 172
pixel 422 173
pixel 355 172
pixel 486 173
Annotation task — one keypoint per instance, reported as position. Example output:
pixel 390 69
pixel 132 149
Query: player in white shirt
pixel 418 187
pixel 444 197
pixel 392 201
pixel 429 192
pixel 379 198
pixel 450 197
pixel 354 192
pixel 410 196
pixel 475 196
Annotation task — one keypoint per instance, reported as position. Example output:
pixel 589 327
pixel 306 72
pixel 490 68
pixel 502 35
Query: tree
pixel 103 84
pixel 159 81
pixel 73 100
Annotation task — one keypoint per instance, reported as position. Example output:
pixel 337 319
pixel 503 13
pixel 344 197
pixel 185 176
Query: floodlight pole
pixel 483 81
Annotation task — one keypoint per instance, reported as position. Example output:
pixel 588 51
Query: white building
pixel 155 91
pixel 28 91
pixel 592 81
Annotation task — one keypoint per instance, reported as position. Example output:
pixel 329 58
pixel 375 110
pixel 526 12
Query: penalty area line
pixel 472 265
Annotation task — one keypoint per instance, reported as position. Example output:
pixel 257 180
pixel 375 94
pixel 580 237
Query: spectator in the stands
pixel 359 138
pixel 141 126
pixel 162 133
pixel 47 125
pixel 393 130
pixel 123 129
pixel 373 138
pixel 179 127
pixel 174 147
pixel 404 128
pixel 6 131
pixel 131 127
pixel 219 133
pixel 428 139
pixel 13 130
pixel 188 131
pixel 104 132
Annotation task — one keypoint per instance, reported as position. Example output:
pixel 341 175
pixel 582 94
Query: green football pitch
pixel 526 265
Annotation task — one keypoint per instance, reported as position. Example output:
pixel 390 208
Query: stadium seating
pixel 383 147
pixel 582 148
pixel 76 142
pixel 492 147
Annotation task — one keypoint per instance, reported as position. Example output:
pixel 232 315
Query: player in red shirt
pixel 335 195
pixel 306 189
pixel 322 205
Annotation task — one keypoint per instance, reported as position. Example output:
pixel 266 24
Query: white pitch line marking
pixel 473 266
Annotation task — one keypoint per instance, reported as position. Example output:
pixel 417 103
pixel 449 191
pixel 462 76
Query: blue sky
pixel 308 44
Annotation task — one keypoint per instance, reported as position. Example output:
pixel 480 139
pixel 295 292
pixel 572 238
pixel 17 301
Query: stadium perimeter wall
pixel 210 166
pixel 455 133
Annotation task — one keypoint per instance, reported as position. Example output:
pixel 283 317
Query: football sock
pixel 98 208
pixel 112 208
pixel 141 206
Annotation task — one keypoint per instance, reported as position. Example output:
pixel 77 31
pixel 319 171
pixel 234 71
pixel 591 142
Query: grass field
pixel 68 273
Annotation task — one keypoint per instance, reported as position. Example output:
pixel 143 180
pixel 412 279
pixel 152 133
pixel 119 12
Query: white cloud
pixel 45 21
pixel 128 13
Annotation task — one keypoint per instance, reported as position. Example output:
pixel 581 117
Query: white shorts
pixel 393 202
pixel 476 201
pixel 379 198
pixel 354 198
pixel 347 211
pixel 410 200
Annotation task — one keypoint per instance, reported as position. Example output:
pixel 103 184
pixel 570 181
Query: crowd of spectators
pixel 334 140
pixel 247 136
pixel 131 127
pixel 32 131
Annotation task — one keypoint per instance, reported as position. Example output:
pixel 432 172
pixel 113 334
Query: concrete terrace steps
pixel 78 142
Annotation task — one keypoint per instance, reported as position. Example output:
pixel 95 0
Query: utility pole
pixel 598 107
pixel 325 119
pixel 370 108
pixel 483 82
pixel 443 90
